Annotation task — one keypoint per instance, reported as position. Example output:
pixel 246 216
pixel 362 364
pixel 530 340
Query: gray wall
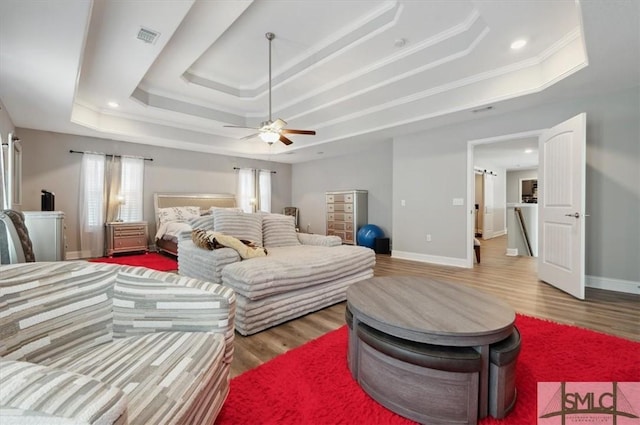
pixel 47 164
pixel 6 125
pixel 513 183
pixel 369 170
pixel 429 169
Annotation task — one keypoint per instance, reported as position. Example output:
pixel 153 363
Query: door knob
pixel 576 215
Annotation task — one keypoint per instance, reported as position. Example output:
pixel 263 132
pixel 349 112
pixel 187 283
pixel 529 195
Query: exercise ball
pixel 367 235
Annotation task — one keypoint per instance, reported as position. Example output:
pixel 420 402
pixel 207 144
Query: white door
pixel 561 204
pixel 487 219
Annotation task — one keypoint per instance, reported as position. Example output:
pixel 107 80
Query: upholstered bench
pixel 502 375
pixel 423 382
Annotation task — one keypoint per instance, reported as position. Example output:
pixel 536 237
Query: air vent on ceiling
pixel 147 35
pixel 484 109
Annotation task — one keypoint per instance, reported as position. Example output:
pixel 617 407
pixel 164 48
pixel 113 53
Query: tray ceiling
pixel 354 71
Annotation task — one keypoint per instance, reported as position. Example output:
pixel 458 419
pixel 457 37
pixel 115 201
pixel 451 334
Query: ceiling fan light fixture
pixel 270 136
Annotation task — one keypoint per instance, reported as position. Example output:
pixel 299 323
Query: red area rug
pixel 312 385
pixel 152 261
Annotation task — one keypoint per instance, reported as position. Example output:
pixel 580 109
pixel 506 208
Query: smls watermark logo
pixel 564 403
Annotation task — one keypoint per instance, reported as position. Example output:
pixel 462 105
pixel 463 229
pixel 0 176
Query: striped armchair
pixel 91 343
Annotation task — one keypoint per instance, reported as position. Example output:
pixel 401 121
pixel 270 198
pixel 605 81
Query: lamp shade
pixel 269 136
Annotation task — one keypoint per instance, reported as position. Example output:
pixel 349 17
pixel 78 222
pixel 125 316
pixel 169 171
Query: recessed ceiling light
pixel 519 44
pixel 528 150
pixel 400 42
pixel 113 104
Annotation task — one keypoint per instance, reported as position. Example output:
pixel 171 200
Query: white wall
pixel 47 164
pixel 369 170
pixel 429 169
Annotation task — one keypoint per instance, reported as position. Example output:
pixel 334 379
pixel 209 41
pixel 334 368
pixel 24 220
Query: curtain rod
pixel 106 154
pixel 272 172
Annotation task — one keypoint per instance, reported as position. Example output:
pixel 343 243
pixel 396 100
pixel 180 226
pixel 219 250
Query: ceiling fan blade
pixel 284 140
pixel 251 136
pixel 291 131
pixel 239 126
pixel 278 124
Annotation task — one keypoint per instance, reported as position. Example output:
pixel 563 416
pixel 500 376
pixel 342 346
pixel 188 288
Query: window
pixel 131 185
pixel 254 190
pixel 246 194
pixel 264 189
pixel 93 189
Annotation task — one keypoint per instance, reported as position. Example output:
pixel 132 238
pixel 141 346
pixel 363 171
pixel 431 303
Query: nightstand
pixel 126 237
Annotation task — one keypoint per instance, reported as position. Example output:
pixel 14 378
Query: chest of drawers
pixel 346 213
pixel 126 237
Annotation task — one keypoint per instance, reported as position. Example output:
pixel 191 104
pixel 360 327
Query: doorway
pixel 515 154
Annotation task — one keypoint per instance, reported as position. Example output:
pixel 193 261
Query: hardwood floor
pixel 513 279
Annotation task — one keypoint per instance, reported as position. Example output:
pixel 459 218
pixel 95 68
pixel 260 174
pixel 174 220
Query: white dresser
pixel 46 231
pixel 346 213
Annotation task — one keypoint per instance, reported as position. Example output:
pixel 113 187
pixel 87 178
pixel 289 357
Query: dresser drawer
pixel 330 199
pixel 340 225
pixel 341 197
pixel 341 216
pixel 128 232
pixel 132 242
pixel 341 207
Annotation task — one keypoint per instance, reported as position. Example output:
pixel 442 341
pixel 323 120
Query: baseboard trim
pixel 435 259
pixel 77 255
pixel 611 284
pixel 512 252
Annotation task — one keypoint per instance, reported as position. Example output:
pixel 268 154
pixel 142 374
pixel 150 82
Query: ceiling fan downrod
pixel 270 36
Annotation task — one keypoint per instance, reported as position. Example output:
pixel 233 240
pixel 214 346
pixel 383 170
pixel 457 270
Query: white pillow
pixel 181 214
pixel 279 230
pixel 238 224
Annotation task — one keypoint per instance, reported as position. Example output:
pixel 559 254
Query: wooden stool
pixel 502 375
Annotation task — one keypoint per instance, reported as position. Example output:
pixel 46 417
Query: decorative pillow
pixel 183 214
pixel 203 222
pixel 238 224
pixel 279 230
pixel 212 209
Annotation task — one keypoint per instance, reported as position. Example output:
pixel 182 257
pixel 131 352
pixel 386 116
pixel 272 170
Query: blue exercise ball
pixel 367 235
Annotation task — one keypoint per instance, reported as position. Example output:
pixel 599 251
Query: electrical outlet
pixel 429 238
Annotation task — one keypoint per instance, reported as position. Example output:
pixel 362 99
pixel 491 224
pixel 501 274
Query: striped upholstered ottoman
pixel 91 343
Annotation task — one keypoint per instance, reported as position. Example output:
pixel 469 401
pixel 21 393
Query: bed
pixel 173 211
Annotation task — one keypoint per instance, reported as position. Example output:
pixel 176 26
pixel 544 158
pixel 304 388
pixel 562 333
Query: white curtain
pixel 131 186
pixel 91 205
pixel 112 188
pixel 246 191
pixel 264 188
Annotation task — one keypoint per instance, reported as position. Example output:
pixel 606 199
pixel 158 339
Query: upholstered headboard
pixel 202 200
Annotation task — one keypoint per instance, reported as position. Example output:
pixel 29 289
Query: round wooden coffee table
pixel 423 310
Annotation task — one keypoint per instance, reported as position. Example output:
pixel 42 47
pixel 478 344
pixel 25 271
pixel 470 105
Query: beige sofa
pixel 91 343
pixel 301 273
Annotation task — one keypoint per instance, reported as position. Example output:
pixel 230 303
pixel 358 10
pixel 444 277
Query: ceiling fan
pixel 271 131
